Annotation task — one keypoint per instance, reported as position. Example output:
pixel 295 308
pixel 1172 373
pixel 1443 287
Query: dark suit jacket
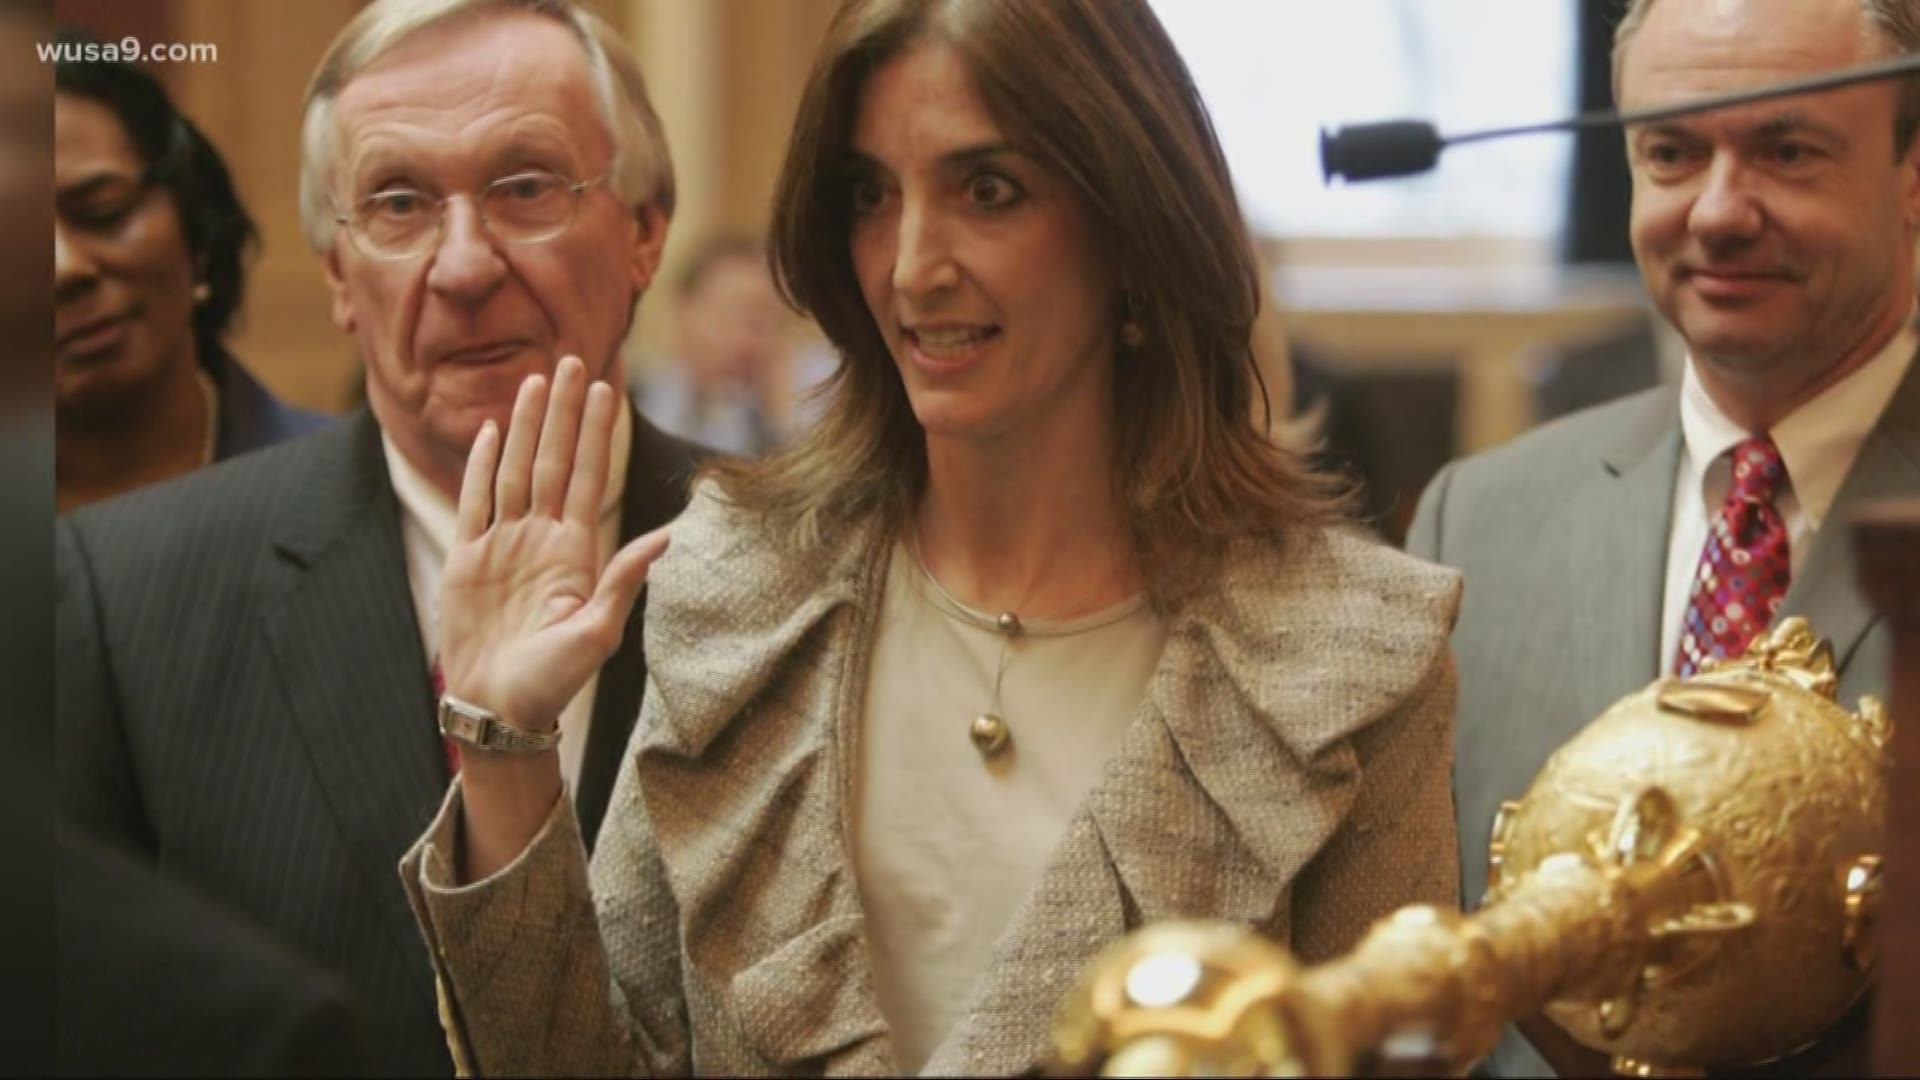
pixel 1562 535
pixel 243 696
pixel 153 980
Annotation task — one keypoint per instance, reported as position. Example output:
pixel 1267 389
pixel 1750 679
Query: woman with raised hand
pixel 1035 638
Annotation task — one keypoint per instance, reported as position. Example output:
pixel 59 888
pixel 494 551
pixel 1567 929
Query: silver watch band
pixel 474 726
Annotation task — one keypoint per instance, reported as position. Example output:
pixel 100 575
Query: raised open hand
pixel 526 613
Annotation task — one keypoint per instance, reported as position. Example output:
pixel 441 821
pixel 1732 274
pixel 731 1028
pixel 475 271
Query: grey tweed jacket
pixel 1287 770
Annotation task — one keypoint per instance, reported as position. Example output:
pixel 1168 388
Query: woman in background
pixel 149 243
pixel 1034 638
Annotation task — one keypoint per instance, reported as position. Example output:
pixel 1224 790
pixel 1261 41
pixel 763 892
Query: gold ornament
pixel 1690 883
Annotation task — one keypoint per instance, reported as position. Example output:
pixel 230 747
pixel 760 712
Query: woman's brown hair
pixel 1095 92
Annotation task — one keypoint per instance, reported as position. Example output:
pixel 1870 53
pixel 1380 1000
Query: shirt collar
pixel 435 515
pixel 1818 442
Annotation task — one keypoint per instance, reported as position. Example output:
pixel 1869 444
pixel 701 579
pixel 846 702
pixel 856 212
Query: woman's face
pixel 976 265
pixel 123 277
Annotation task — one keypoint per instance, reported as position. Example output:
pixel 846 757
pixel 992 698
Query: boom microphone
pixel 1406 147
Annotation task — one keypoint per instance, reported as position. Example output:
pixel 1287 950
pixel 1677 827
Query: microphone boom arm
pixel 1404 147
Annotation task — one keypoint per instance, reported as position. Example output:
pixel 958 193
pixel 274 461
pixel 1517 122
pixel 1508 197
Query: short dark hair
pixel 1898 22
pixel 220 234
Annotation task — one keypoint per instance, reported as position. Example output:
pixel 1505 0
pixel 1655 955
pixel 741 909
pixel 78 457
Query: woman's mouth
pixel 944 350
pixel 88 339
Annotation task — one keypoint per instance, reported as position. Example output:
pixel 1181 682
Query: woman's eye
pixel 103 218
pixel 867 196
pixel 993 191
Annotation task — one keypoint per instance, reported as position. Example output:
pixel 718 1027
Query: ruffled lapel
pixel 745 780
pixel 1236 771
pixel 735 609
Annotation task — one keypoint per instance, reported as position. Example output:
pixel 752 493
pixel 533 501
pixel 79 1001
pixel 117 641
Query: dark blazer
pixel 244 697
pixel 154 980
pixel 250 416
pixel 1562 535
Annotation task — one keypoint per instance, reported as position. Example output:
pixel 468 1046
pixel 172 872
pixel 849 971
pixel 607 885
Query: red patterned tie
pixel 1745 567
pixel 453 751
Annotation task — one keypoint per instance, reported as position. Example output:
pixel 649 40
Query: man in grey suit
pixel 1639 538
pixel 487 188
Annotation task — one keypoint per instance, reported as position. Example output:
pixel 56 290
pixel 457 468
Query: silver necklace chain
pixel 989 730
pixel 1010 624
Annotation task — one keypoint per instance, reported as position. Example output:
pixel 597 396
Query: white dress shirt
pixel 1818 442
pixel 426 527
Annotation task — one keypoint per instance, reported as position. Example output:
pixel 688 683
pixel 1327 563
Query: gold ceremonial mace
pixel 1690 883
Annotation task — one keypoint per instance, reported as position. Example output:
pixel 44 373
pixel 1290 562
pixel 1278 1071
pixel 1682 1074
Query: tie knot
pixel 1757 470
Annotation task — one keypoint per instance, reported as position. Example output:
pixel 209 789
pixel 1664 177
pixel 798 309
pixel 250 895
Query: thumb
pixel 625 575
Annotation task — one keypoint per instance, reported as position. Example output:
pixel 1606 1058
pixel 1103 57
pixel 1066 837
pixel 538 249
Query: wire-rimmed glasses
pixel 525 208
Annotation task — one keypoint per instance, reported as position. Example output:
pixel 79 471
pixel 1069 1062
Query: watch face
pixel 460 723
pixel 477 727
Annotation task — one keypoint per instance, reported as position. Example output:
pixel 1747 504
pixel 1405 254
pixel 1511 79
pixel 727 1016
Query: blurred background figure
pixel 150 239
pixel 728 382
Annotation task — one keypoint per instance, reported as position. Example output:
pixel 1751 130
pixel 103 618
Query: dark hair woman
pixel 150 241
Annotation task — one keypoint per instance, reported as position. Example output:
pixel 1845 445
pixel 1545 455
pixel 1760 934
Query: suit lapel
pixel 1825 589
pixel 659 471
pixel 1617 559
pixel 340 624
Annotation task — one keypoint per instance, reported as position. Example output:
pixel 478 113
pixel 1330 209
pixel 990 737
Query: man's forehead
pixel 476 72
pixel 1698 47
pixel 1763 121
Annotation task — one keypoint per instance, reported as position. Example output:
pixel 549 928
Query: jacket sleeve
pixel 549 968
pixel 98 788
pixel 1399 844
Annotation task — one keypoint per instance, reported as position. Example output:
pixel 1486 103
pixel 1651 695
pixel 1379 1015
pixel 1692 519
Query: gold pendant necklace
pixel 990 733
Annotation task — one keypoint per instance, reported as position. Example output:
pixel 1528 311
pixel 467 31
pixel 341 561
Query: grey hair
pixel 642 170
pixel 1898 22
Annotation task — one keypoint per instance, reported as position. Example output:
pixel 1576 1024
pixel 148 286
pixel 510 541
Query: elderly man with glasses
pixel 486 185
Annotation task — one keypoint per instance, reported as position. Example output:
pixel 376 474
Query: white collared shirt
pixel 426 527
pixel 1818 442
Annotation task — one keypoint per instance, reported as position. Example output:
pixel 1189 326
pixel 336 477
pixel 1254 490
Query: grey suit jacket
pixel 1562 535
pixel 243 697
pixel 1286 770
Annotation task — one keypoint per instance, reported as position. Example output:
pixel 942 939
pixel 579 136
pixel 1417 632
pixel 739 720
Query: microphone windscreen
pixel 1370 151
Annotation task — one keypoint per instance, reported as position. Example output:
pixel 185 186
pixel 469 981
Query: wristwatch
pixel 483 728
